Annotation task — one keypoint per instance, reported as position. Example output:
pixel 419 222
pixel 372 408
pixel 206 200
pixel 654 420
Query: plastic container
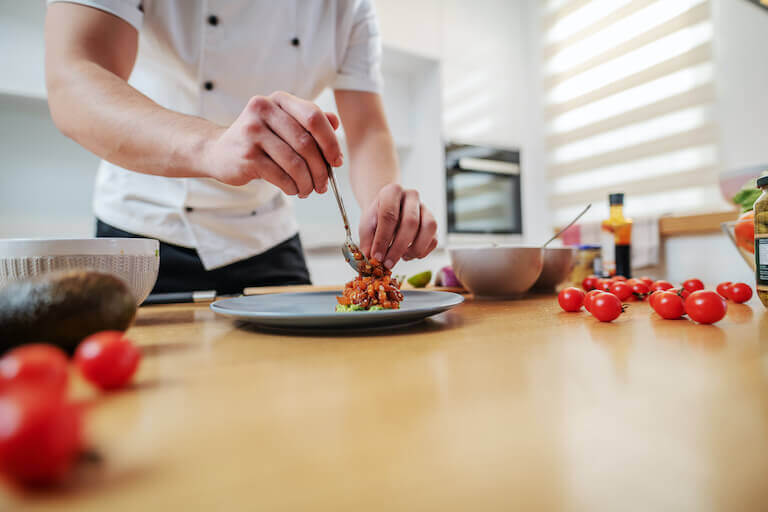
pixel 761 241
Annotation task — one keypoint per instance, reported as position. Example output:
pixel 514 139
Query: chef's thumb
pixel 368 228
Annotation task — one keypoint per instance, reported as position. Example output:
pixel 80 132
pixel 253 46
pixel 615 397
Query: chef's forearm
pixel 107 116
pixel 373 164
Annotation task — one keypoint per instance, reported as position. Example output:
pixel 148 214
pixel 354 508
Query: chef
pixel 202 113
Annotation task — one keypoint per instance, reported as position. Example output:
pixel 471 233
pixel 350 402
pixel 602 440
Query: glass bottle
pixel 616 239
pixel 761 241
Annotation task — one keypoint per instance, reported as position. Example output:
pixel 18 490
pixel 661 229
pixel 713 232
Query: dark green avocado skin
pixel 63 308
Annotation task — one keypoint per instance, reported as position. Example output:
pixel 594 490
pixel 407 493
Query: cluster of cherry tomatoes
pixel 40 426
pixel 603 298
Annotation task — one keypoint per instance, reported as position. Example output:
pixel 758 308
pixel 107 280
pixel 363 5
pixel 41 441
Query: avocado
pixel 63 308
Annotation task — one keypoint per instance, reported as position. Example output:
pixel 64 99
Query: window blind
pixel 629 106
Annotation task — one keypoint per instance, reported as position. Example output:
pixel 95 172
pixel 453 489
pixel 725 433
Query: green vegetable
pixel 63 308
pixel 376 308
pixel 748 194
pixel 341 308
pixel 356 307
pixel 420 280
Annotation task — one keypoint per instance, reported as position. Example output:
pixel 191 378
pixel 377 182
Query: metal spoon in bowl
pixel 569 225
pixel 352 253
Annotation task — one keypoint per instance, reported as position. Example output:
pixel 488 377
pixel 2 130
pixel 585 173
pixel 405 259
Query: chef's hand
pixel 397 225
pixel 279 138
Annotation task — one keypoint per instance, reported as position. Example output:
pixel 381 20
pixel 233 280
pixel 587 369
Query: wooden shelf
pixel 695 224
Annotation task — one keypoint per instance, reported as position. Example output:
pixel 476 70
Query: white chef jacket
pixel 208 58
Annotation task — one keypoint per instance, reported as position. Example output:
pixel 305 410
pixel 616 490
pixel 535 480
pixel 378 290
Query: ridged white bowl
pixel 134 260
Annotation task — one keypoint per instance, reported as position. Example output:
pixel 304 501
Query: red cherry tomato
pixel 682 292
pixel 40 436
pixel 705 306
pixel 722 289
pixel 669 306
pixel 661 285
pixel 739 292
pixel 640 290
pixel 589 297
pixel 621 290
pixel 107 360
pixel 37 365
pixel 571 299
pixel 647 280
pixel 744 231
pixel 604 285
pixel 606 307
pixel 653 297
pixel 618 277
pixel 693 285
pixel 590 283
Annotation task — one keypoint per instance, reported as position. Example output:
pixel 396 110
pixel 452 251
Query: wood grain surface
pixel 494 406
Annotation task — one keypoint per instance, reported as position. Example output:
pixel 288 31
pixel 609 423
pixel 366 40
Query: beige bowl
pixel 497 272
pixel 558 263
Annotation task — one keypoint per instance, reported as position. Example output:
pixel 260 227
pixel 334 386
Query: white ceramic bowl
pixel 134 260
pixel 497 272
pixel 558 263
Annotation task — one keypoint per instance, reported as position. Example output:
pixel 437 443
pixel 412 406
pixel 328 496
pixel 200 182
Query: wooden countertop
pixel 492 406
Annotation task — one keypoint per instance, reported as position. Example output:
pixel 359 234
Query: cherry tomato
pixel 669 306
pixel 589 297
pixel 618 277
pixel 661 285
pixel 739 292
pixel 653 297
pixel 606 307
pixel 744 231
pixel 35 365
pixel 590 283
pixel 682 292
pixel 40 435
pixel 604 285
pixel 621 290
pixel 107 360
pixel 640 290
pixel 705 306
pixel 693 284
pixel 571 299
pixel 647 280
pixel 722 289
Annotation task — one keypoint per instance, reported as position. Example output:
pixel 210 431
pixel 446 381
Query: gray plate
pixel 316 310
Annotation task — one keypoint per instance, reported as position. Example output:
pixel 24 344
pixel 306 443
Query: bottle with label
pixel 616 237
pixel 761 241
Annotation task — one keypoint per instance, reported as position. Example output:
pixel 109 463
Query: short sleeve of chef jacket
pixel 128 10
pixel 360 62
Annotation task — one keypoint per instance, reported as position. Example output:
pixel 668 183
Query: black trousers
pixel 181 269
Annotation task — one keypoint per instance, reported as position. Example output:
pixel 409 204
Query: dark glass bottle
pixel 616 238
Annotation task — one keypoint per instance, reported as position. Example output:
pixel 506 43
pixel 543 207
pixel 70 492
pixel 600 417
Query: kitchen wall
pixel 740 41
pixel 489 68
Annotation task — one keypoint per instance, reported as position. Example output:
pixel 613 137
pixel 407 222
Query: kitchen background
pixel 657 99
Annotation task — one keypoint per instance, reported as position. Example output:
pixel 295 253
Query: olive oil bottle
pixel 616 238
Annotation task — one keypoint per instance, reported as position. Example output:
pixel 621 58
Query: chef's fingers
pixel 269 171
pixel 368 229
pixel 289 161
pixel 388 216
pixel 315 122
pixel 302 143
pixel 333 119
pixel 426 240
pixel 407 228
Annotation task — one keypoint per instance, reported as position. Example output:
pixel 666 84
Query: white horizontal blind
pixel 629 94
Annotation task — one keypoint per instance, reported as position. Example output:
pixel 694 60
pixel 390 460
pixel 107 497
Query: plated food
pixel 373 289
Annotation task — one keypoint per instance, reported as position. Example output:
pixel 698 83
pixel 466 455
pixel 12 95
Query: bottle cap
pixel 762 181
pixel 615 199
